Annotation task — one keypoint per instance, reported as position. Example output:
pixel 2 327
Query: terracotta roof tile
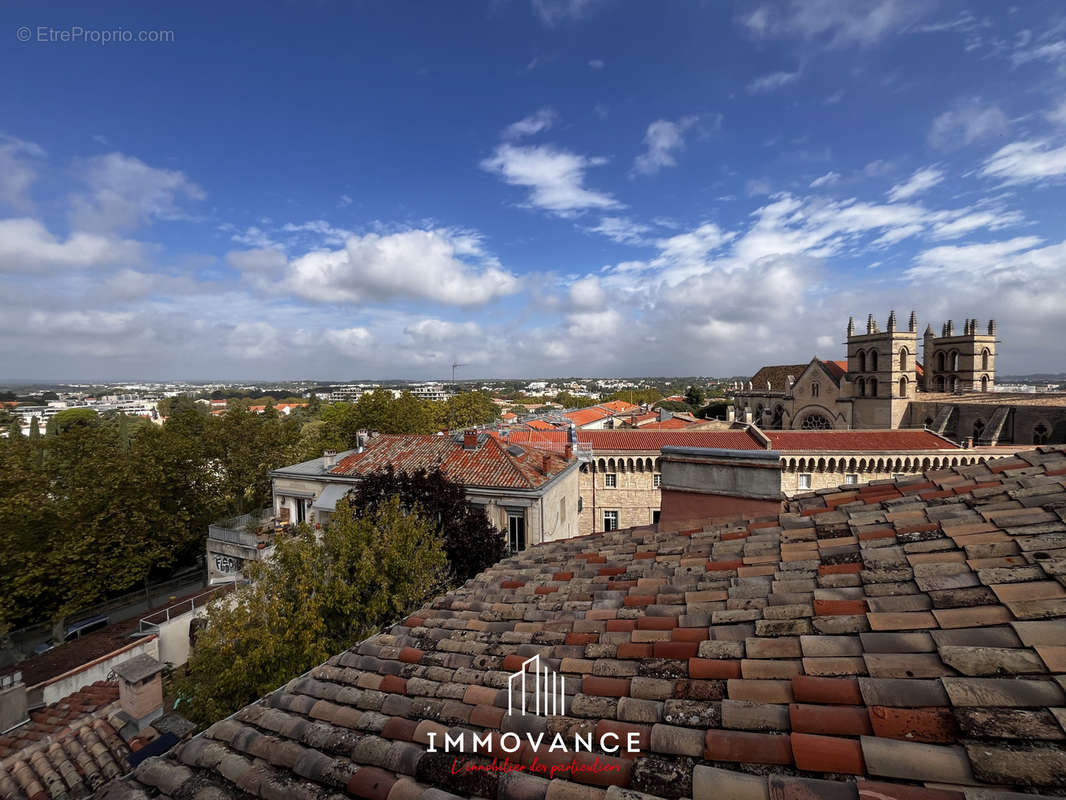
pixel 735 653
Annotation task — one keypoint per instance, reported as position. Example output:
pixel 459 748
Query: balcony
pixel 254 530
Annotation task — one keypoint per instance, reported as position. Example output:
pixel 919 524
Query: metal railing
pixel 154 620
pixel 240 530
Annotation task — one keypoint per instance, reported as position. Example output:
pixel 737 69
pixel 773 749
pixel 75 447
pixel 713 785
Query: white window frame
pixel 851 478
pixel 614 517
pixel 610 480
pixel 804 480
pixel 657 480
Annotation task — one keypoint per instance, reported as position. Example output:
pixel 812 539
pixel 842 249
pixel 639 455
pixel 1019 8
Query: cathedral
pixel 883 384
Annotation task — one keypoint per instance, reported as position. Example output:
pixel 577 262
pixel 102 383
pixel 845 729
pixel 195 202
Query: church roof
pixel 901 640
pixel 776 377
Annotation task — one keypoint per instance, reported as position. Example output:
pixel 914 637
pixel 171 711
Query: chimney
pixel 568 452
pixel 329 459
pixel 13 701
pixel 470 440
pixel 546 464
pixel 140 692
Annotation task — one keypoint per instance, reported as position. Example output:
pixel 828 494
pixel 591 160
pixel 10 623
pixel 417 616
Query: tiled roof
pixel 618 406
pixel 894 641
pixel 643 439
pixel 489 464
pixel 646 438
pixel 670 424
pixel 67 750
pixel 539 424
pixel 870 440
pixel 836 368
pixel 583 416
pixel 777 376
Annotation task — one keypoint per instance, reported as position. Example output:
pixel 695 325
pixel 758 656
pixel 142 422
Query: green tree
pixel 72 417
pixel 315 597
pixel 694 396
pixel 470 408
pixel 470 540
pixel 635 396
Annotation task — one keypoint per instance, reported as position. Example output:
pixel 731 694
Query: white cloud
pixel 996 260
pixel 825 180
pixel 586 294
pixel 772 81
pixel 834 98
pixel 621 230
pixel 124 192
pixel 16 175
pixel 922 180
pixel 757 186
pixel 442 265
pixel 966 123
pixel 350 342
pixel 836 23
pixel 1026 162
pixel 1058 113
pixel 344 201
pixel 27 246
pixel 435 331
pixel 555 178
pixel 553 12
pixel 596 63
pixel 534 123
pixel 663 140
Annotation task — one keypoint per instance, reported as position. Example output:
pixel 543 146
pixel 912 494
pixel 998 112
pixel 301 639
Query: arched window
pixel 903 386
pixel 862 387
pixel 814 389
pixel 861 355
pixel 940 382
pixel 873 361
pixel 984 383
pixel 816 422
pixel 1040 434
pixel 903 358
pixel 873 387
pixel 978 430
pixel 954 383
pixel 984 358
pixel 954 358
pixel 940 361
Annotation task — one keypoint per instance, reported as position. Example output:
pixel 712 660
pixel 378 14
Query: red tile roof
pixel 584 416
pixel 836 368
pixel 643 439
pixel 869 440
pixel 671 424
pixel 647 438
pixel 489 464
pixel 539 424
pixel 618 406
pixel 891 640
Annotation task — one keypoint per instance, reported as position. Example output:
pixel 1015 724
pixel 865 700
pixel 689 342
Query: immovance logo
pixel 549 690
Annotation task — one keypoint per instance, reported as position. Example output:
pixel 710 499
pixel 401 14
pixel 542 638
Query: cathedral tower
pixel 882 372
pixel 963 362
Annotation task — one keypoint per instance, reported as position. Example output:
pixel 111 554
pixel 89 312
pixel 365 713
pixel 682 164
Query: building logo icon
pixel 549 690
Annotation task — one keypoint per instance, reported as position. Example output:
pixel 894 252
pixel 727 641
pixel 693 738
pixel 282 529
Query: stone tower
pixel 964 362
pixel 881 372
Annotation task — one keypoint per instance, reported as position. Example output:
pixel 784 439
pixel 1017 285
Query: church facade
pixel 883 384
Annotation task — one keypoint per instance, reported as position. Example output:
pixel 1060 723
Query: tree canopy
pixel 470 540
pixel 317 596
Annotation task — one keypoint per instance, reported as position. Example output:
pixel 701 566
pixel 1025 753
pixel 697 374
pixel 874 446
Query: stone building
pixel 883 385
pixel 621 470
pixel 527 492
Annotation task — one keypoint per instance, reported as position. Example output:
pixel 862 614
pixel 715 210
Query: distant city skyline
pixel 385 188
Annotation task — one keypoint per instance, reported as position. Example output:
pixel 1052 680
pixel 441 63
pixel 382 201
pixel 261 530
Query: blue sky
pixel 534 187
